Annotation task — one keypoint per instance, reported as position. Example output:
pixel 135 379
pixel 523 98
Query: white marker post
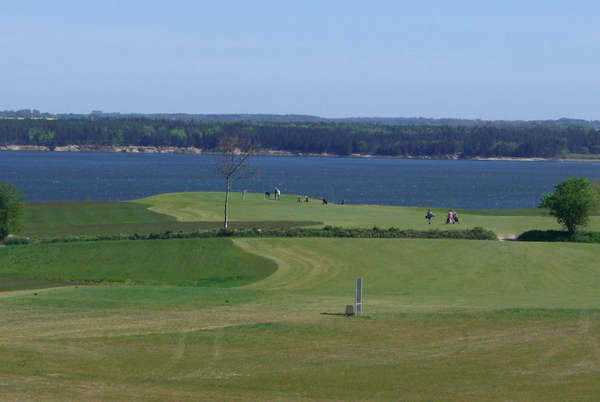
pixel 358 296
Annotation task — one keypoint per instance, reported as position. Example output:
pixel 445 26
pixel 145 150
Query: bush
pixel 571 203
pixel 11 210
pixel 15 241
pixel 560 236
pixel 225 232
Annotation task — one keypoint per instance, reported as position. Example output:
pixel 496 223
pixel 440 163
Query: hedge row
pixel 327 231
pixel 557 235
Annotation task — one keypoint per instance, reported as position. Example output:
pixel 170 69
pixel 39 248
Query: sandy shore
pixel 112 148
pixel 192 150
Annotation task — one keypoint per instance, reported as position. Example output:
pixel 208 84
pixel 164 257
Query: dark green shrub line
pixel 327 231
pixel 16 241
pixel 558 235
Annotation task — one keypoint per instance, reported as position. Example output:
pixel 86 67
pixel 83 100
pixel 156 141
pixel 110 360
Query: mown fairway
pixel 203 211
pixel 445 319
pixel 64 219
pixel 208 207
pixel 436 274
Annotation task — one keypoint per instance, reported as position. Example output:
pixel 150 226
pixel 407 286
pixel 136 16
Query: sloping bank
pixel 190 262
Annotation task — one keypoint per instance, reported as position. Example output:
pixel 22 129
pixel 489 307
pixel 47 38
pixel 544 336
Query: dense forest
pixel 465 139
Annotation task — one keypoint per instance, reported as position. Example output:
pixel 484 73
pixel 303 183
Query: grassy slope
pixel 207 206
pixel 445 320
pixel 62 219
pixel 459 320
pixel 210 262
pixel 438 273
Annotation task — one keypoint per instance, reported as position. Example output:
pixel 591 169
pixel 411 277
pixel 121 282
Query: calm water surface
pixel 58 176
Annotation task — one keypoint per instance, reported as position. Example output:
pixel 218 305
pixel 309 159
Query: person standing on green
pixel 429 215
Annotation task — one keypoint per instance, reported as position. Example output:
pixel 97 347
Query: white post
pixel 358 296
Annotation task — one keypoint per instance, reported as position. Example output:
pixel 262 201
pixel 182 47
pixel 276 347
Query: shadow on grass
pixel 339 314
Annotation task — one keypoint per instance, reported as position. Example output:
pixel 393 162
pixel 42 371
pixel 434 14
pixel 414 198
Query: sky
pixel 505 59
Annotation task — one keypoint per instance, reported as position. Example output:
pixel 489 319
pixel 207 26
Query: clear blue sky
pixel 472 59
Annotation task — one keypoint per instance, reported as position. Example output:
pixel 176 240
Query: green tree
pixel 571 202
pixel 11 209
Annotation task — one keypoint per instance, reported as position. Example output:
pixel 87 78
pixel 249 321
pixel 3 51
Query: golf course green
pixel 261 318
pixel 209 207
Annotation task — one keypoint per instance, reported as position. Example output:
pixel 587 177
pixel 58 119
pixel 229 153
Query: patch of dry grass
pixel 255 352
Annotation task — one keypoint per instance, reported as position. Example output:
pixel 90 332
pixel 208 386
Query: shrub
pixel 571 202
pixel 225 232
pixel 14 241
pixel 11 210
pixel 327 231
pixel 560 236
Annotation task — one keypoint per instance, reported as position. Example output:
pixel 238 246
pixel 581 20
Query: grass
pixel 508 212
pixel 513 321
pixel 9 284
pixel 203 211
pixel 82 213
pixel 63 219
pixel 207 207
pixel 445 319
pixel 458 357
pixel 44 219
pixel 436 275
pixel 213 262
pixel 401 272
pixel 112 299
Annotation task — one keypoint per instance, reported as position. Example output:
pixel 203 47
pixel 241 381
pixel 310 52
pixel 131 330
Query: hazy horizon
pixel 338 59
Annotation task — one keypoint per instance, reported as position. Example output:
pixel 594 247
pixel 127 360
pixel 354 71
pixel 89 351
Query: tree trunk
pixel 226 202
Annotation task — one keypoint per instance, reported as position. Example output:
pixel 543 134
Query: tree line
pixel 493 139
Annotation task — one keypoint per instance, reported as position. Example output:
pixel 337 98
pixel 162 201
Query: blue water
pixel 62 176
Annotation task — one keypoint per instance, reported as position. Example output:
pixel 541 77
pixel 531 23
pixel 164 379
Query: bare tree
pixel 233 165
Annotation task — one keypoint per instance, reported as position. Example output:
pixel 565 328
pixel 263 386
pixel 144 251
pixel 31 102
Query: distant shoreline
pixel 138 149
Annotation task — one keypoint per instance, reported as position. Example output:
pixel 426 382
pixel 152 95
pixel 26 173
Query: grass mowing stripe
pixel 400 274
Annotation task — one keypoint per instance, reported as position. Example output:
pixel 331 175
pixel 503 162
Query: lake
pixel 65 176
